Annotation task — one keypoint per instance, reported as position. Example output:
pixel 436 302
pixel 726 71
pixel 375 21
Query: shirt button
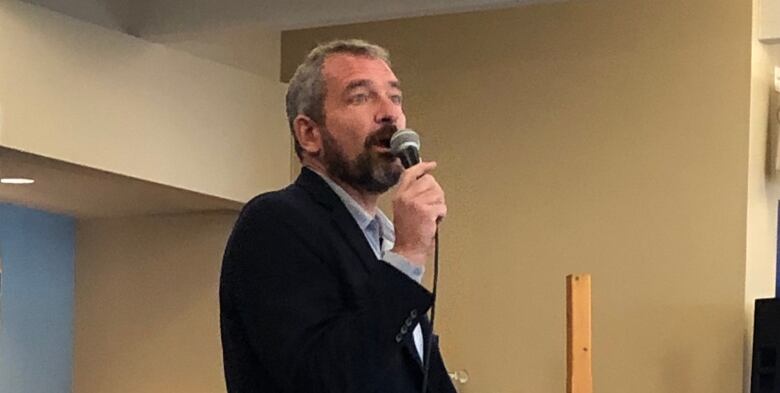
pixel 398 338
pixel 413 313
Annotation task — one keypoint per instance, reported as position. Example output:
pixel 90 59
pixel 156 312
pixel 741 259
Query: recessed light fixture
pixel 16 180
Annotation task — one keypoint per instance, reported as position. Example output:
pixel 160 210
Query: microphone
pixel 405 144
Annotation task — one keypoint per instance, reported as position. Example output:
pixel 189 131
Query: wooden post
pixel 578 334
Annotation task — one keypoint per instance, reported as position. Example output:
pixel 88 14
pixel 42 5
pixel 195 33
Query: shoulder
pixel 288 208
pixel 273 226
pixel 293 197
pixel 274 205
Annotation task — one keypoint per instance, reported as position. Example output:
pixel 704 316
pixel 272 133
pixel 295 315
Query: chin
pixel 394 165
pixel 387 176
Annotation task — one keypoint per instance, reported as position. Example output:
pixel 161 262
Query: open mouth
pixel 382 144
pixel 383 150
pixel 380 139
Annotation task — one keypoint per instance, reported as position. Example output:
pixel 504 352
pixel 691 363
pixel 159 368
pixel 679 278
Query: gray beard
pixel 369 172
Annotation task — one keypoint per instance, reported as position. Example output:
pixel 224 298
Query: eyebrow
pixel 367 83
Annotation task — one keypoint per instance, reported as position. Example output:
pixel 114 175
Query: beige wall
pixel 146 304
pixel 763 187
pixel 603 136
pixel 81 93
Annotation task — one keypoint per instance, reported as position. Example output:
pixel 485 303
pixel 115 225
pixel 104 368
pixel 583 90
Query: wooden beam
pixel 578 334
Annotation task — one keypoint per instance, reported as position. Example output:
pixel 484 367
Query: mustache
pixel 381 137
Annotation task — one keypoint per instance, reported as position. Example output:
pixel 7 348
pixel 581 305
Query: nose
pixel 388 112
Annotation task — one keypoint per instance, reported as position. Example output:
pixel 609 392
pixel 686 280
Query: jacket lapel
pixel 354 236
pixel 322 193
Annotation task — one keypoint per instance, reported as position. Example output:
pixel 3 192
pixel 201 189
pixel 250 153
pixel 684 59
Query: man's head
pixel 343 104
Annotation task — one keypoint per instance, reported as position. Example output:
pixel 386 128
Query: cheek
pixel 401 123
pixel 350 129
pixel 347 134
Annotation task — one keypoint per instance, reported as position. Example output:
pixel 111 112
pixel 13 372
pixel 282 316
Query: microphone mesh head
pixel 403 139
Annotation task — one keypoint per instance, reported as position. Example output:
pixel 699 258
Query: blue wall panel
pixel 36 301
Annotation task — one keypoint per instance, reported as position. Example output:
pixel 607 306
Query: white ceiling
pixel 142 17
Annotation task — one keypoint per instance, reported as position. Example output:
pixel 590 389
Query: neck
pixel 367 200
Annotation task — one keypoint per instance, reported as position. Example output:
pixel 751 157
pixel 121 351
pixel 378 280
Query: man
pixel 319 291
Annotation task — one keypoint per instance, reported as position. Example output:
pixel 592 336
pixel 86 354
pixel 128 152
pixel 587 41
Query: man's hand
pixel 418 205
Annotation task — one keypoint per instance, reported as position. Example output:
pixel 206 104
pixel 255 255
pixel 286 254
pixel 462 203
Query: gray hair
pixel 306 91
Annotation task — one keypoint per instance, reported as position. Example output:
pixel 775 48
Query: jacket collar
pixel 345 222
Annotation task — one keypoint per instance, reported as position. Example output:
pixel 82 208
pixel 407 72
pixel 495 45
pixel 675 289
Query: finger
pixel 435 200
pixel 414 172
pixel 427 183
pixel 431 196
pixel 437 212
pixel 420 187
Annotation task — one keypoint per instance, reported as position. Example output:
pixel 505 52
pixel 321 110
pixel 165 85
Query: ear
pixel 307 132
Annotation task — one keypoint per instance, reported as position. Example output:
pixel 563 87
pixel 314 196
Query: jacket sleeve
pixel 292 307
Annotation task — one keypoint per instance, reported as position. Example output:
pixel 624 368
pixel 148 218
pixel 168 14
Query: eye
pixel 358 98
pixel 397 99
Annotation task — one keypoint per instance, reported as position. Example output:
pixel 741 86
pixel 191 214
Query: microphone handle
pixel 409 157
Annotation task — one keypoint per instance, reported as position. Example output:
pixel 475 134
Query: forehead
pixel 340 69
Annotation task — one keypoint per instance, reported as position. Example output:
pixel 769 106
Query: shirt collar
pixel 361 216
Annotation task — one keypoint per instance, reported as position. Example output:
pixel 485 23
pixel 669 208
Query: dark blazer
pixel 306 307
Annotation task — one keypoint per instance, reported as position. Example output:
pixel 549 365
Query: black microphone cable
pixel 429 347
